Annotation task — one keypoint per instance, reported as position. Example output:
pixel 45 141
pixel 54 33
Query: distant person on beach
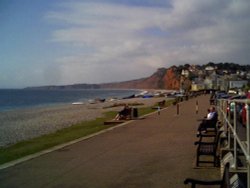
pixel 209 120
pixel 125 113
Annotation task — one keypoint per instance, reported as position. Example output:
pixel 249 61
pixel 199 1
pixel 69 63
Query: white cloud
pixel 130 42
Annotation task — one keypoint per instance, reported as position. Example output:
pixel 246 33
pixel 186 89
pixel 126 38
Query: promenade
pixel 157 151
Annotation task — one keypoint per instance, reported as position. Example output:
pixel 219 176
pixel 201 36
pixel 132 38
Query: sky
pixel 45 42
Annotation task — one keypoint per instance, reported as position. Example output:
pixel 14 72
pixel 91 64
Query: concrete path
pixel 157 151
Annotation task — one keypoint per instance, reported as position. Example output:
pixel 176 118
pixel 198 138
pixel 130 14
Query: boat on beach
pixel 77 103
pixel 97 100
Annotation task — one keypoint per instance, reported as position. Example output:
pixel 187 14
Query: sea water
pixel 11 99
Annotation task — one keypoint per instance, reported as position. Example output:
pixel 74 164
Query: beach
pixel 19 125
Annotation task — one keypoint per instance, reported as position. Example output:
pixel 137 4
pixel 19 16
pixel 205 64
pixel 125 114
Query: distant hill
pixel 163 78
pixel 74 86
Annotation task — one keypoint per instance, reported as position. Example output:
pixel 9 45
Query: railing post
pixel 230 132
pixel 248 130
pixel 248 144
pixel 196 107
pixel 225 110
pixel 219 109
pixel 177 109
pixel 235 133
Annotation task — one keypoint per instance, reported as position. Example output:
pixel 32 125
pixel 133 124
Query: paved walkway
pixel 157 151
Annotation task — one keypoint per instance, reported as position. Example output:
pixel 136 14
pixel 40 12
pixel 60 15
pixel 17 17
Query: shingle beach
pixel 18 125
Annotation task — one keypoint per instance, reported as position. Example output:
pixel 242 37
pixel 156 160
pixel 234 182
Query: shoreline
pixel 18 99
pixel 24 124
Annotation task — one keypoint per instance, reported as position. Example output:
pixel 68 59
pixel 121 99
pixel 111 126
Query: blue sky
pixel 57 42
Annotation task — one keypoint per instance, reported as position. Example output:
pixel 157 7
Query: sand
pixel 19 125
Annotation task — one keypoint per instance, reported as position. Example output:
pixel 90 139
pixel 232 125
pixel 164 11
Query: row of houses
pixel 218 83
pixel 210 80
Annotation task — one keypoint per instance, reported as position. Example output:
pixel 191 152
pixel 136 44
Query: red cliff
pixel 171 79
pixel 161 79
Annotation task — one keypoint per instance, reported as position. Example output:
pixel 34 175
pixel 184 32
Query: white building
pixel 237 83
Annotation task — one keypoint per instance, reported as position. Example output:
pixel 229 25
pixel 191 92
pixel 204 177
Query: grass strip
pixel 65 135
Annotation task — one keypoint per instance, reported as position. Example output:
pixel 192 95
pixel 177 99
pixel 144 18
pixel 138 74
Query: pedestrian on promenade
pixel 209 120
pixel 159 110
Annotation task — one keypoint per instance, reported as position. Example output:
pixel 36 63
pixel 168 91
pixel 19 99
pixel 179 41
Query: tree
pixel 186 66
pixel 211 64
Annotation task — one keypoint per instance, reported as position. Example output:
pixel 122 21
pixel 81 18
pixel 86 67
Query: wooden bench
pixel 209 125
pixel 162 103
pixel 229 180
pixel 208 148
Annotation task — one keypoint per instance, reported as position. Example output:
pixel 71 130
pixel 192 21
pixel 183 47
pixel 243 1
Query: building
pixel 197 87
pixel 236 84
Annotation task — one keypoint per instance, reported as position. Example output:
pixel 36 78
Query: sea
pixel 12 99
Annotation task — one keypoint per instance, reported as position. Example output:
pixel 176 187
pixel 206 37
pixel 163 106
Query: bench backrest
pixel 233 179
pixel 228 180
pixel 236 181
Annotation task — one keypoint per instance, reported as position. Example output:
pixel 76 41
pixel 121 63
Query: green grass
pixel 76 131
pixel 144 111
pixel 34 145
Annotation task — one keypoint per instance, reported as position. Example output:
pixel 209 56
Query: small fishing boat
pixel 77 103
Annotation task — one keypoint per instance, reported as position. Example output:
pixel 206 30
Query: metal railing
pixel 230 113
